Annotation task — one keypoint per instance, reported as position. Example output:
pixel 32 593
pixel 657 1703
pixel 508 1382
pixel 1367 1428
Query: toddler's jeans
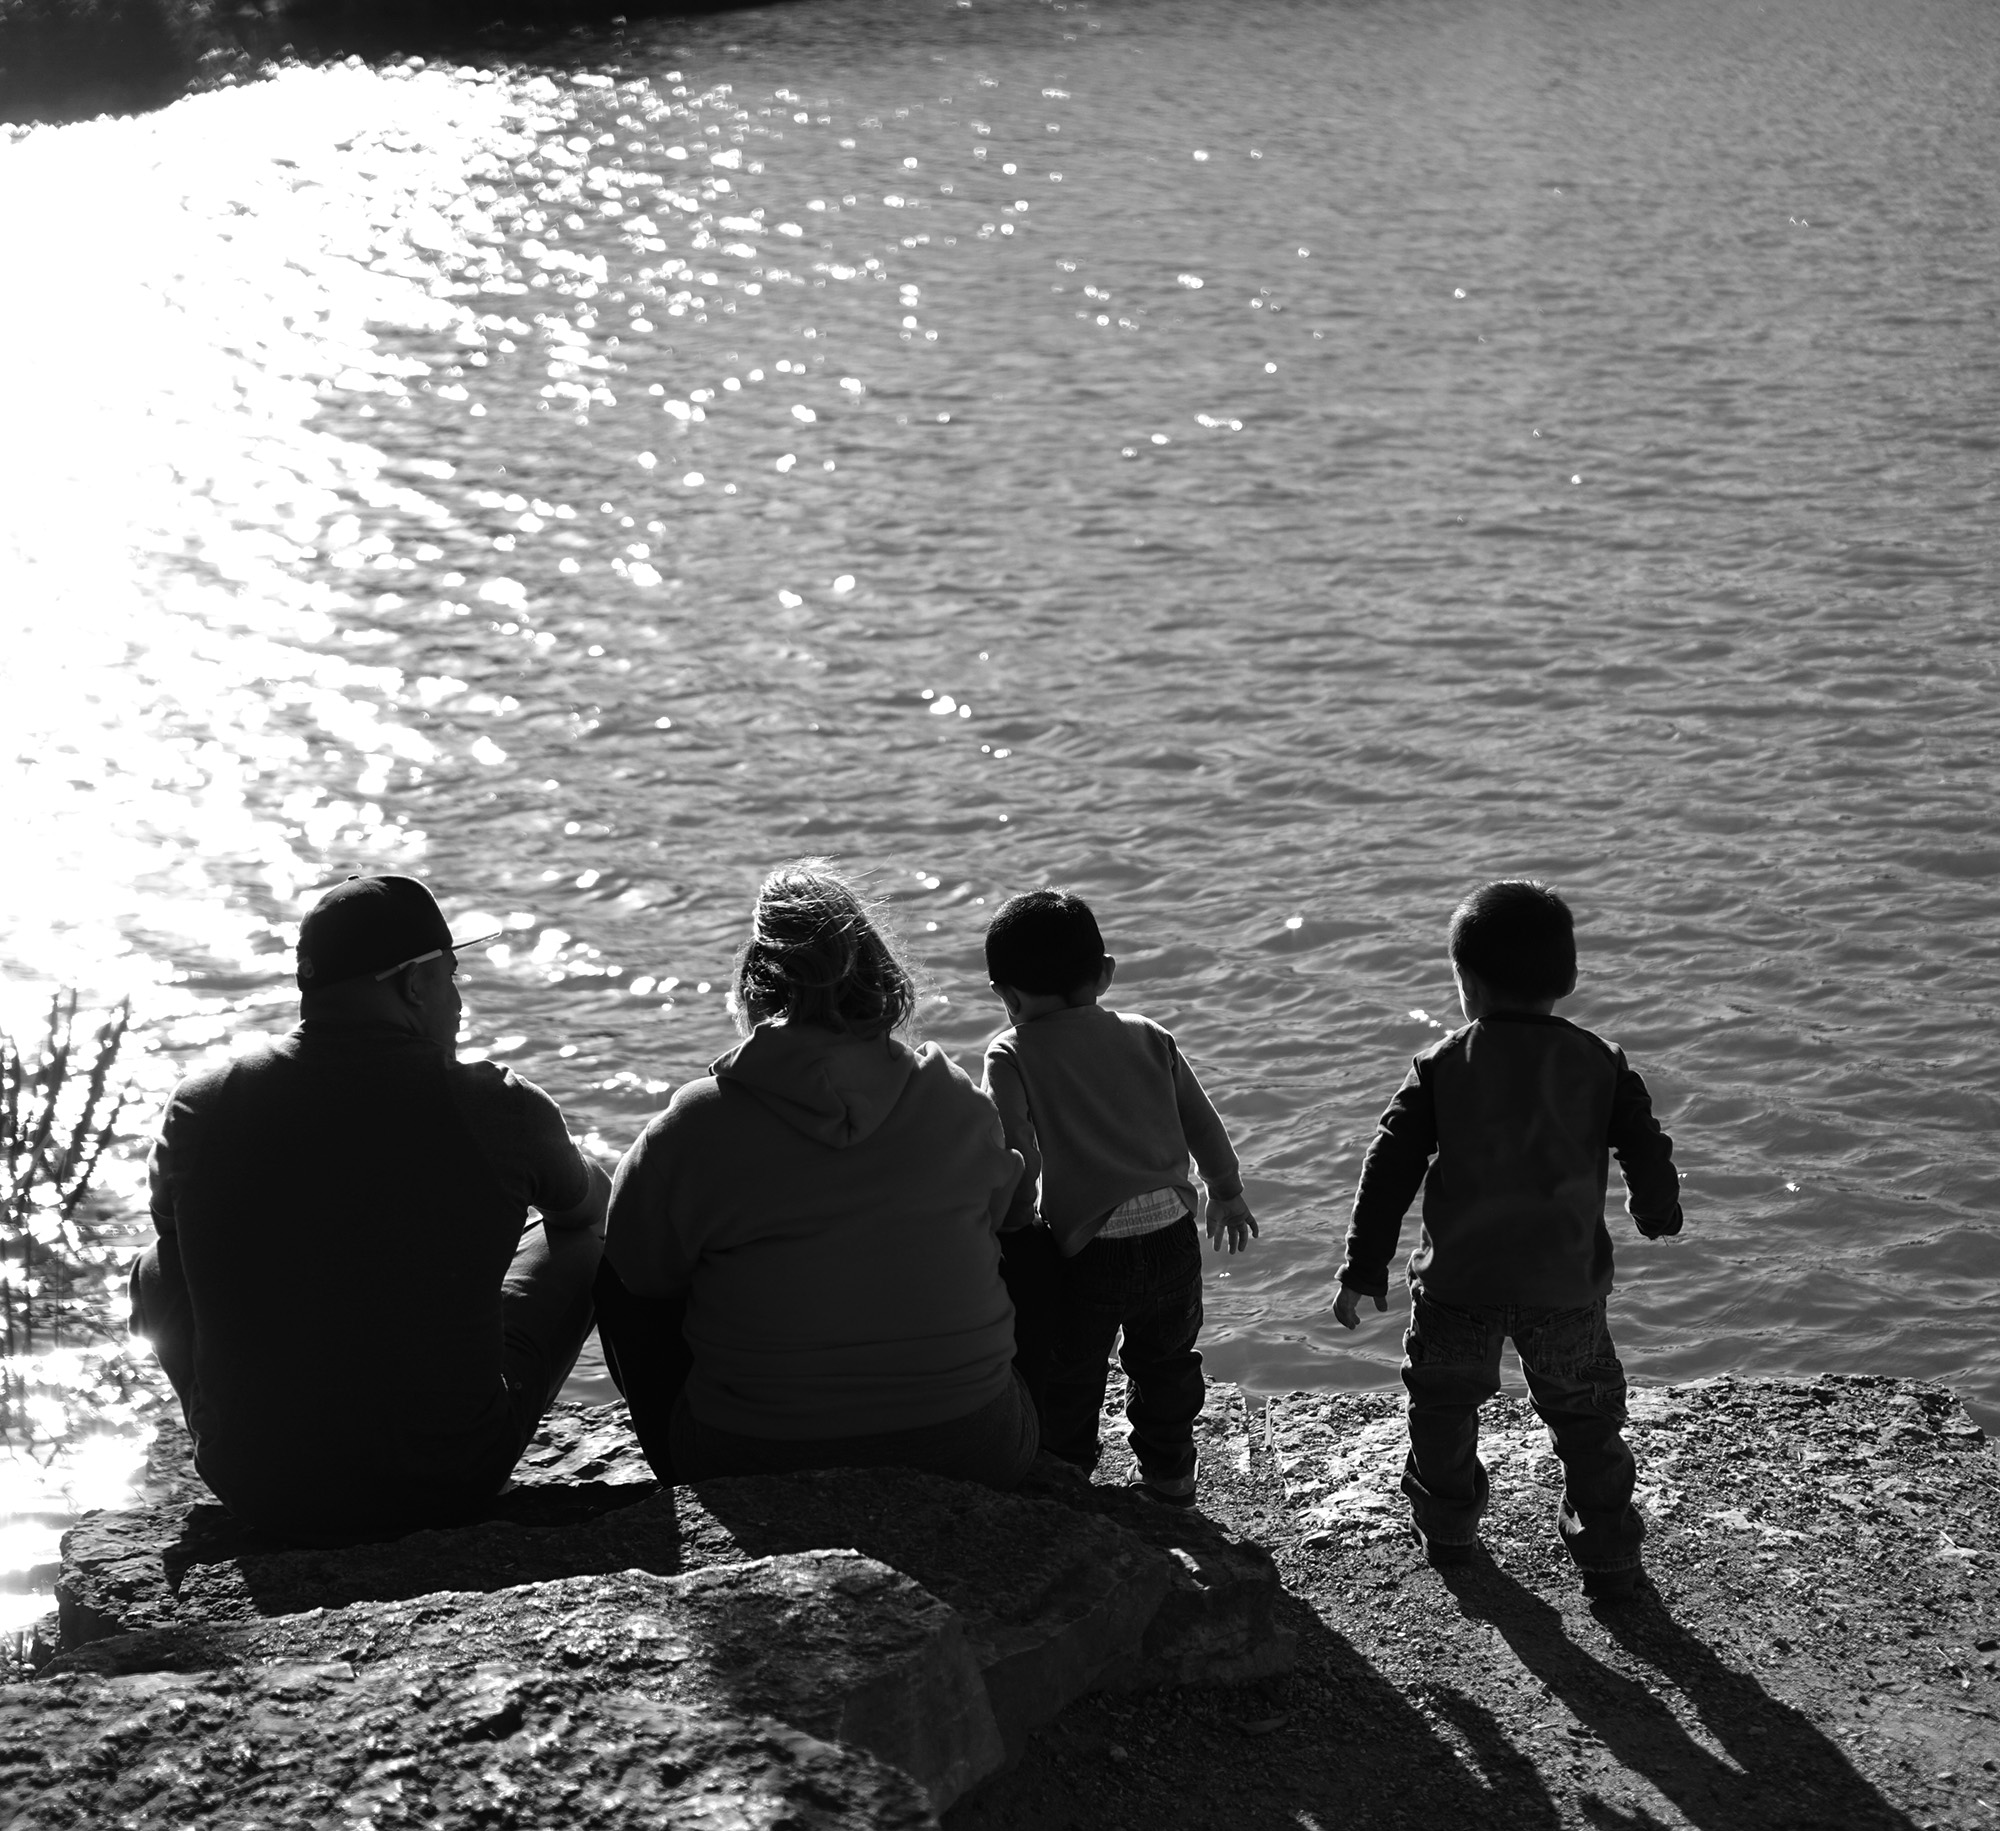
pixel 1149 1289
pixel 1452 1363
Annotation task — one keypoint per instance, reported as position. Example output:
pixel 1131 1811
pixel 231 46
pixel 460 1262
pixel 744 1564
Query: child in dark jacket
pixel 1104 1110
pixel 1507 1125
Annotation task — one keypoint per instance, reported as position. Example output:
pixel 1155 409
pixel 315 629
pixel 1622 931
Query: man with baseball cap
pixel 362 1326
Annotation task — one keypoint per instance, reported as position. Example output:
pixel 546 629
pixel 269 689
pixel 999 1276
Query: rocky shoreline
pixel 1819 1646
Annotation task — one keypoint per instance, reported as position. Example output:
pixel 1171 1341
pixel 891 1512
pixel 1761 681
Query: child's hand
pixel 1234 1217
pixel 1347 1307
pixel 1661 1230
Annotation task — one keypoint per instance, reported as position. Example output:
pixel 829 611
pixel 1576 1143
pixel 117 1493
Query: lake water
pixel 1268 466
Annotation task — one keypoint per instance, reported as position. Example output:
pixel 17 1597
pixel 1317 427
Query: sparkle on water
pixel 949 440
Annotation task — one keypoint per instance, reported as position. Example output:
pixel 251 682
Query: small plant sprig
pixel 58 1112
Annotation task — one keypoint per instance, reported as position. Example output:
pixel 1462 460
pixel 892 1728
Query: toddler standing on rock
pixel 1104 1110
pixel 1508 1125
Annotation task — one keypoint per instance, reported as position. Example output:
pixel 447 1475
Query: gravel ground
pixel 1816 1646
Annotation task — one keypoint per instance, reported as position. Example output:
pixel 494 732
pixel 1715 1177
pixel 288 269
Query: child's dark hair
pixel 1519 937
pixel 1044 941
pixel 816 956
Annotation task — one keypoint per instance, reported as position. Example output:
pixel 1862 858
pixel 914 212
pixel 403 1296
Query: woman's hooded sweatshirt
pixel 829 1205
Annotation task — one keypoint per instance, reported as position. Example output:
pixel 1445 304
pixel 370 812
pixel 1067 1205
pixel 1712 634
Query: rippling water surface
pixel 1267 466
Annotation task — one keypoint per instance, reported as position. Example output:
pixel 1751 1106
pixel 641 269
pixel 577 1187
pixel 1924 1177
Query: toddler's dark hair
pixel 1519 937
pixel 1044 941
pixel 815 956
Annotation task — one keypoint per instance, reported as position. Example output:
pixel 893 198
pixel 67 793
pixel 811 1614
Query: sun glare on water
pixel 163 491
pixel 171 552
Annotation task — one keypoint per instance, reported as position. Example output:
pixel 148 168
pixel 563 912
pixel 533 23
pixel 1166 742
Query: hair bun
pixel 816 956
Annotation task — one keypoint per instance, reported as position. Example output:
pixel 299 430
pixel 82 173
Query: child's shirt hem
pixel 1103 1108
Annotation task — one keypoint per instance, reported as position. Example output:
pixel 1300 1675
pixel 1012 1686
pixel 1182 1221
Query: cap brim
pixel 459 943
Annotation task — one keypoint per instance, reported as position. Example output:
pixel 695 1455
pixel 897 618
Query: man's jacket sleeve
pixel 1392 1173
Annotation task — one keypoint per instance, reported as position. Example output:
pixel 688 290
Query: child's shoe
pixel 1612 1585
pixel 1171 1490
pixel 1441 1554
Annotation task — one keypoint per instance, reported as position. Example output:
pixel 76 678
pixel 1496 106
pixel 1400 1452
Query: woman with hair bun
pixel 802 1268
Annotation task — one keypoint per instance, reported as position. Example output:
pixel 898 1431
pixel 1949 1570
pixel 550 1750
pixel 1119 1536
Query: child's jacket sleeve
pixel 1207 1137
pixel 1645 1157
pixel 1391 1174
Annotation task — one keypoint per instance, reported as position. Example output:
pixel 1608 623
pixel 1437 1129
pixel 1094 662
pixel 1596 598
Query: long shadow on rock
pixel 1215 1625
pixel 1393 1766
pixel 1052 1600
pixel 1787 1772
pixel 529 1536
pixel 185 1564
pixel 1331 1743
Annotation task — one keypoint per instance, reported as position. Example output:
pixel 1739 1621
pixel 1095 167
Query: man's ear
pixel 419 985
pixel 1106 974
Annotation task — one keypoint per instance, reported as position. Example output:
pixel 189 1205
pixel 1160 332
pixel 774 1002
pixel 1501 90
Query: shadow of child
pixel 1774 1769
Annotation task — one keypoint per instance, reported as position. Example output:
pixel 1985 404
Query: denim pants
pixel 1148 1288
pixel 545 1318
pixel 1452 1364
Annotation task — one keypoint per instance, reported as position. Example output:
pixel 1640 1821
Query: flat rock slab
pixel 128 1570
pixel 829 1642
pixel 1052 1598
pixel 493 1747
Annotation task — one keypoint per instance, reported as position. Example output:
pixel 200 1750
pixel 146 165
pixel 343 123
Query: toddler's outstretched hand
pixel 1347 1307
pixel 1234 1217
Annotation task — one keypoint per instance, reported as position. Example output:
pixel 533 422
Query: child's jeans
pixel 1452 1363
pixel 1149 1287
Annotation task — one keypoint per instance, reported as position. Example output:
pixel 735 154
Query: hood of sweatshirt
pixel 834 1088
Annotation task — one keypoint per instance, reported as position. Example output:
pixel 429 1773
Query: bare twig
pixel 58 1114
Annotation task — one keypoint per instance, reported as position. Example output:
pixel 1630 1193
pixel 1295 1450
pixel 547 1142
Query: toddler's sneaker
pixel 1440 1554
pixel 1172 1490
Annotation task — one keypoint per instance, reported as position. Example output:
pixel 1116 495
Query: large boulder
pixel 1050 1593
pixel 831 1643
pixel 517 1744
pixel 1052 1598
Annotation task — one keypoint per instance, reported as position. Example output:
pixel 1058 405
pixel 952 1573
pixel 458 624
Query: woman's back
pixel 840 1195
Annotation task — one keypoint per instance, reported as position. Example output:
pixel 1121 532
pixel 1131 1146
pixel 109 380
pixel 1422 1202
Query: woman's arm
pixel 647 1240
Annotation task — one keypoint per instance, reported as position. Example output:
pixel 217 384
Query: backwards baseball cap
pixel 376 925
